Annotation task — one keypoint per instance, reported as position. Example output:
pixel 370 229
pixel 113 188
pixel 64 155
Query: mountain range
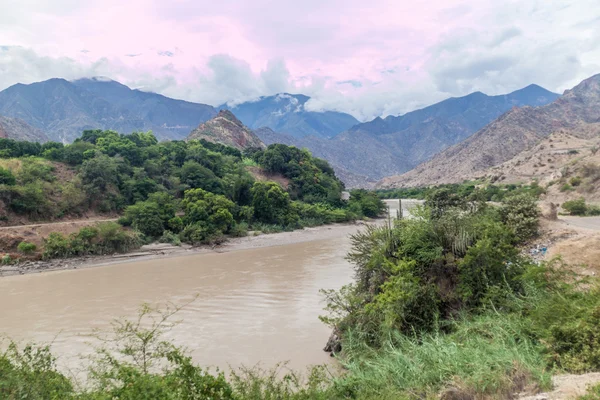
pixel 285 113
pixel 63 109
pixel 577 111
pixel 370 151
pixel 361 153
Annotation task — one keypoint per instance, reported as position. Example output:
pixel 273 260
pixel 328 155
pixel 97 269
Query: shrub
pixel 239 230
pixel 575 207
pixel 521 213
pixel 26 247
pixel 170 237
pixel 56 246
pixel 6 177
pixel 566 187
pixel 575 181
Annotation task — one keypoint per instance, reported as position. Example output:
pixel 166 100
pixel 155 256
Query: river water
pixel 253 306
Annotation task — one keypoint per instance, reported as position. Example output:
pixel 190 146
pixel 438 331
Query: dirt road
pixel 591 223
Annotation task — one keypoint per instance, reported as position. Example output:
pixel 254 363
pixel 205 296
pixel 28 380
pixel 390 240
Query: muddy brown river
pixel 253 306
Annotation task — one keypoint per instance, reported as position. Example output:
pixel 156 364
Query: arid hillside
pixel 577 111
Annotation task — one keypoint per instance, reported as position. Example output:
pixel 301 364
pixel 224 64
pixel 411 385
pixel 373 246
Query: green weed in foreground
pixel 491 355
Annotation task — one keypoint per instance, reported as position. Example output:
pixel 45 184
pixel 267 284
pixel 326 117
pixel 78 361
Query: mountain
pixel 515 131
pixel 167 118
pixel 226 129
pixel 14 128
pixel 64 109
pixel 396 144
pixel 286 113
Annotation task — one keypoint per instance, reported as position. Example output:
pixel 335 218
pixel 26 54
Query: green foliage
pixel 365 204
pixel 271 204
pixel 31 373
pixel 521 213
pixel 7 177
pixel 170 237
pixel 468 191
pixel 207 216
pixel 103 238
pixel 575 181
pixel 566 188
pixel 576 207
pixel 312 179
pixel 593 392
pixel 26 247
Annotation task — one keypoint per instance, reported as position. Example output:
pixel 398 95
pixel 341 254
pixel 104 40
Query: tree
pixel 195 175
pixel 271 204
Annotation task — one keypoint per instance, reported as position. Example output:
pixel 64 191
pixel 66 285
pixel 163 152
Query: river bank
pixel 162 250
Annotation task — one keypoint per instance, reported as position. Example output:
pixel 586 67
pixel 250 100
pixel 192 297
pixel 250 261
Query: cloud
pixel 369 59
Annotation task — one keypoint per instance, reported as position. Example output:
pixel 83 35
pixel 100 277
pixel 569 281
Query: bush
pixel 239 230
pixel 56 246
pixel 104 238
pixel 26 247
pixel 575 207
pixel 521 214
pixel 171 238
pixel 575 181
pixel 566 188
pixel 7 177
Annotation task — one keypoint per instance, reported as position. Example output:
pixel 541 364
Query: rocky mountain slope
pixel 384 147
pixel 285 113
pixel 168 118
pixel 64 109
pixel 513 132
pixel 226 129
pixel 14 128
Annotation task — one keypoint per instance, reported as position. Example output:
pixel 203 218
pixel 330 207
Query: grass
pixel 490 355
pixel 12 164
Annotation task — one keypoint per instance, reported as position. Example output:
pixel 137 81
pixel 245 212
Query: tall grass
pixel 490 355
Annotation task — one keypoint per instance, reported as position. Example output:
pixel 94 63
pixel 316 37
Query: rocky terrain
pixel 226 129
pixel 520 129
pixel 14 128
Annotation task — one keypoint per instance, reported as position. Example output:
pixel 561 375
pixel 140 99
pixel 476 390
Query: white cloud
pixel 385 57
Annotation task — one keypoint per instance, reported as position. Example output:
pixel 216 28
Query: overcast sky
pixel 368 58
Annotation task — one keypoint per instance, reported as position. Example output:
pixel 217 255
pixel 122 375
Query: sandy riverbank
pixel 159 251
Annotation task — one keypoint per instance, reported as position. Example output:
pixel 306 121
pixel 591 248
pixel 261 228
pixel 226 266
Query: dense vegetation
pixel 467 190
pixel 193 191
pixel 444 302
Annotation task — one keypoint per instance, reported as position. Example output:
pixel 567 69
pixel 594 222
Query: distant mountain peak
pixel 229 116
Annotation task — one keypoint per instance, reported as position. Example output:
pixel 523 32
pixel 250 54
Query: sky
pixel 368 58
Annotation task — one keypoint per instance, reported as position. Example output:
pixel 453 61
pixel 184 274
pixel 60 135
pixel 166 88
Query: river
pixel 258 305
pixel 253 306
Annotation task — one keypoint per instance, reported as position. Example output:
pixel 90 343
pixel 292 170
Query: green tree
pixel 271 204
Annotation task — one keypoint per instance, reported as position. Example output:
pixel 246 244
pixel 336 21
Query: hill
pixel 226 129
pixel 515 131
pixel 14 128
pixel 396 144
pixel 286 113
